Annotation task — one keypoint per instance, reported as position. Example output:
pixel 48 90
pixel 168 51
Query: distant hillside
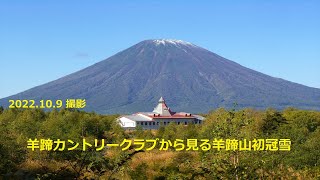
pixel 189 77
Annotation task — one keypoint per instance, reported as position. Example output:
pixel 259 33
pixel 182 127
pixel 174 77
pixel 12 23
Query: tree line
pixel 300 126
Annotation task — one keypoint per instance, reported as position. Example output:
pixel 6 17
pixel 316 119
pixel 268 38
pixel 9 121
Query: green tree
pixel 272 121
pixel 1 109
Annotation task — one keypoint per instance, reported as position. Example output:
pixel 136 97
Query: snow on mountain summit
pixel 171 41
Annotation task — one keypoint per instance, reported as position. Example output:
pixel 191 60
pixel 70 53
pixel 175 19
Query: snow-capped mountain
pixel 189 77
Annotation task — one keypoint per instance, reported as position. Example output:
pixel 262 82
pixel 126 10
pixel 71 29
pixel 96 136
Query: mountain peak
pixel 172 42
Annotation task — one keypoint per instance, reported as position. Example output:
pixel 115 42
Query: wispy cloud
pixel 81 55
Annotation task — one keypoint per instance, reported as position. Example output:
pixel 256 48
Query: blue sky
pixel 42 41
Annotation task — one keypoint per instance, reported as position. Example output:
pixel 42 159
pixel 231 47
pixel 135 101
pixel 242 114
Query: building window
pixel 145 123
pixel 157 123
pixel 154 123
pixel 165 123
pixel 185 122
pixel 150 123
pixel 178 122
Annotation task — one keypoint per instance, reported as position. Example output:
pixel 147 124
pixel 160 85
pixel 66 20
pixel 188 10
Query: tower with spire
pixel 162 108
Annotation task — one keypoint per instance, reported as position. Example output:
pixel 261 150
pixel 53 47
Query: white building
pixel 160 116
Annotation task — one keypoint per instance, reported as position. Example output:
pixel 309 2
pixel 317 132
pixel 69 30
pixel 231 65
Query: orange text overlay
pixel 163 144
